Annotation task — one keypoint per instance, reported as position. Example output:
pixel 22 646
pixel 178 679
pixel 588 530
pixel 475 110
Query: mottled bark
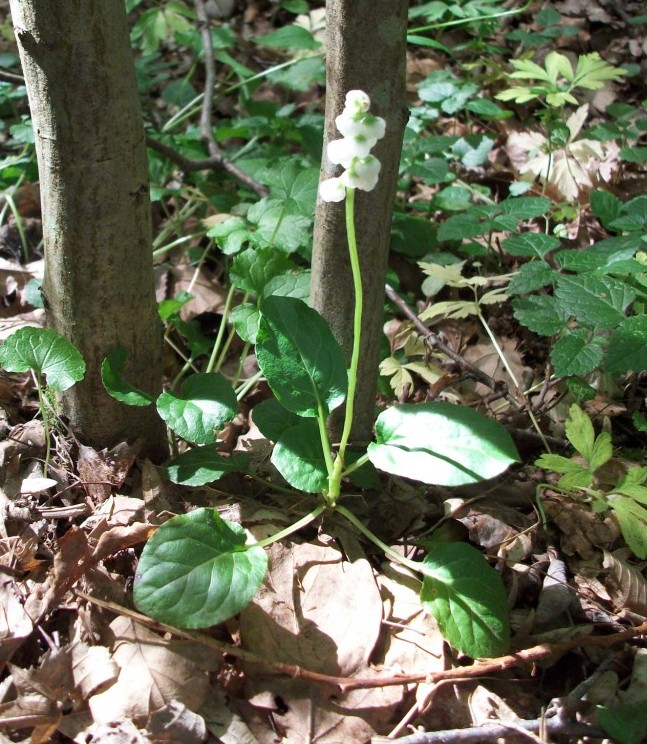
pixel 365 49
pixel 91 150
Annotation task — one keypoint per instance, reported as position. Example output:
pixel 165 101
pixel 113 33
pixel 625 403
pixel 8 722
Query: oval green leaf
pixel 441 444
pixel 297 353
pixel 203 465
pixel 207 404
pixel 196 571
pixel 299 457
pixel 272 419
pixel 467 598
pixel 115 384
pixel 46 352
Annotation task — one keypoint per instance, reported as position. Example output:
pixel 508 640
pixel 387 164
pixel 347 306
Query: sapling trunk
pixel 365 49
pixel 98 286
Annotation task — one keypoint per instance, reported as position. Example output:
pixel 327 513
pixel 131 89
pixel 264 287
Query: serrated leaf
pixel 526 69
pixel 632 518
pixel 252 269
pixel 579 432
pixel 627 350
pixel 531 277
pixel 202 465
pixel 292 283
pixel 467 598
pixel 298 455
pixel 272 419
pixel 279 225
pixel 401 378
pixel 289 180
pixel 115 384
pixel 530 244
pixel 440 443
pixel 301 360
pixel 592 71
pixel 596 302
pixel 525 207
pixel 541 314
pixel 208 402
pixel 46 352
pixel 576 354
pixel 605 206
pixel 196 571
pixel 574 475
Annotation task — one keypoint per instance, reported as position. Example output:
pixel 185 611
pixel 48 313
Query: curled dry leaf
pixel 626 585
pixel 15 624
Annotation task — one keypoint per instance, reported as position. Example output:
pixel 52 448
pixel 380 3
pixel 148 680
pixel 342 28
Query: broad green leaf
pixel 440 443
pixel 289 37
pixel 208 403
pixel 530 277
pixel 632 518
pixel 525 207
pixel 467 598
pixel 115 384
pixel 576 354
pixel 461 227
pixel 627 349
pixel 487 109
pixel 202 465
pixel 431 171
pixel 46 352
pixel 525 69
pixel 245 319
pixel 542 314
pixel 252 269
pixel 288 179
pixel 272 419
pixel 196 571
pixel 596 302
pixel 303 363
pixel 625 724
pixel 299 457
pixel 230 235
pixel 292 283
pixel 613 254
pixel 530 244
pixel 279 225
pixel 605 206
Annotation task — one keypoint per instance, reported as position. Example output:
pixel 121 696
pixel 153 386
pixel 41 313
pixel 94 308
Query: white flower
pixel 343 151
pixel 367 126
pixel 332 190
pixel 357 100
pixel 362 174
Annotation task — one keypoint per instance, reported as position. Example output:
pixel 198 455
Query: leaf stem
pixel 303 522
pixel 412 565
pixel 221 331
pixel 45 416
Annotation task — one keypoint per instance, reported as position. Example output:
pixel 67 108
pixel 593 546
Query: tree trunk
pixel 98 287
pixel 365 50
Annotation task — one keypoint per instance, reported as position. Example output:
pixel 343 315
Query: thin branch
pixel 206 122
pixel 498 386
pixel 11 77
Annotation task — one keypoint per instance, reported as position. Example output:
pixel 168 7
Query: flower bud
pixel 332 190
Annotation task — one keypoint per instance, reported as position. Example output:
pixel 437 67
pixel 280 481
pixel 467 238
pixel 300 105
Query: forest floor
pixel 335 648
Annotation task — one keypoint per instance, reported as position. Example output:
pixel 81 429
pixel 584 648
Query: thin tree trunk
pixel 365 50
pixel 98 286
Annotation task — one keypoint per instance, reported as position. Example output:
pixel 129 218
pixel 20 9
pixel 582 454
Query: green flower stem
pixel 221 331
pixel 412 565
pixel 325 444
pixel 334 480
pixel 310 517
pixel 44 414
pixel 356 465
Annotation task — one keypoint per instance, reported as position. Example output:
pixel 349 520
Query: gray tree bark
pixel 365 50
pixel 98 286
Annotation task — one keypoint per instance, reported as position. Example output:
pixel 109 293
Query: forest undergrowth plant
pixel 198 570
pixel 585 478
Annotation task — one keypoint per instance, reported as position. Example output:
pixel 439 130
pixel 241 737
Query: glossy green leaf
pixel 297 353
pixel 299 457
pixel 530 244
pixel 272 419
pixel 605 206
pixel 202 465
pixel 467 598
pixel 115 384
pixel 245 319
pixel 289 180
pixel 280 225
pixel 542 314
pixel 196 571
pixel 208 402
pixel 46 352
pixel 252 269
pixel 292 283
pixel 531 277
pixel 440 443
